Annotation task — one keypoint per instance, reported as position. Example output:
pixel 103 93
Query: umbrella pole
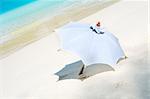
pixel 81 72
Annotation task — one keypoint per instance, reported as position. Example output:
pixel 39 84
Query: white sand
pixel 28 73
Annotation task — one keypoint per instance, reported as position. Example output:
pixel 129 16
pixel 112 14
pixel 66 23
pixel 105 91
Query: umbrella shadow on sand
pixel 73 70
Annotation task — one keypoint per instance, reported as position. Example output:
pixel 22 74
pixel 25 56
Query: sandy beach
pixel 29 72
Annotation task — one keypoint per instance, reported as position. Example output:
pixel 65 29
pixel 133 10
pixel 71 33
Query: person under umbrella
pixel 97 28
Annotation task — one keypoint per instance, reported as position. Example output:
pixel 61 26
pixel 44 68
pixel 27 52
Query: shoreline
pixel 33 12
pixel 38 30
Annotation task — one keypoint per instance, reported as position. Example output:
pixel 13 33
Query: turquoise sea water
pixel 8 5
pixel 16 13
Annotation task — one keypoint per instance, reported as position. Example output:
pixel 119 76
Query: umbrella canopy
pixel 91 47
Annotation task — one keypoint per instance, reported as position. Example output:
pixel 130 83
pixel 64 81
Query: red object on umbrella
pixel 98 24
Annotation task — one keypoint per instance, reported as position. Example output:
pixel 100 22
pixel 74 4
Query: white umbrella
pixel 93 47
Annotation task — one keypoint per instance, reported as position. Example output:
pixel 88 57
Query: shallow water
pixel 14 14
pixel 8 5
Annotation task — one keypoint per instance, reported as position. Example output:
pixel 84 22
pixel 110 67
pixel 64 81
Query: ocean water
pixel 8 5
pixel 16 13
